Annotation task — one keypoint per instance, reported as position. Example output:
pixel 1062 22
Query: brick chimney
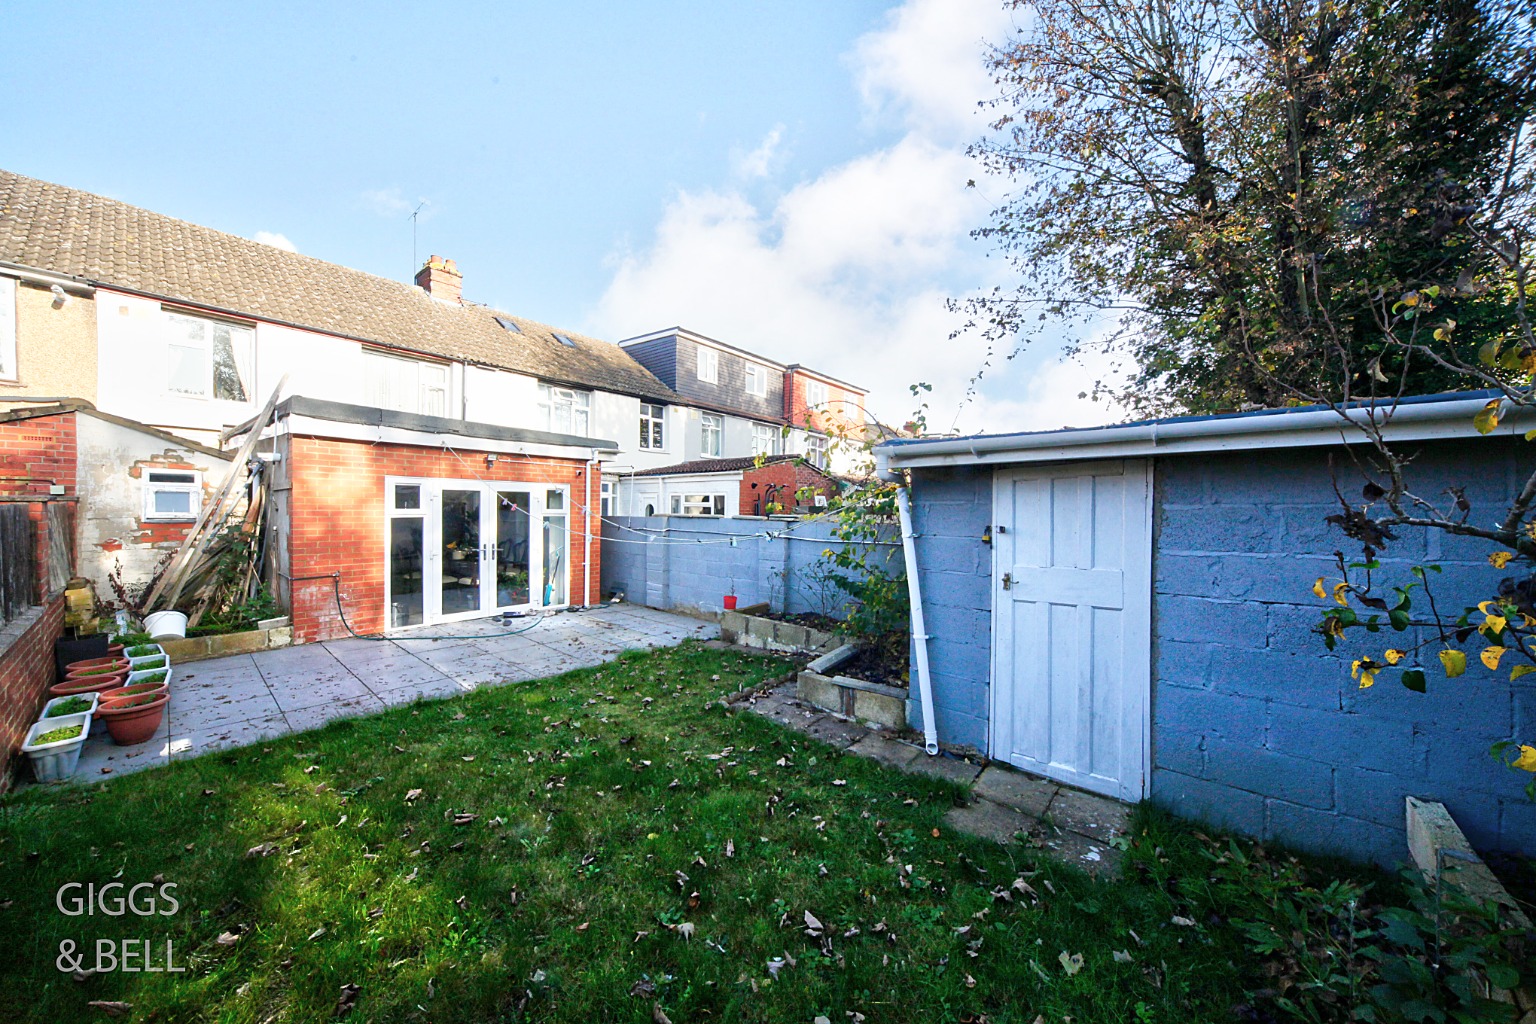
pixel 440 279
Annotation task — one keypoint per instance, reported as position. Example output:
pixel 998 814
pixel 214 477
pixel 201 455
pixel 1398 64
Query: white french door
pixel 1072 624
pixel 458 549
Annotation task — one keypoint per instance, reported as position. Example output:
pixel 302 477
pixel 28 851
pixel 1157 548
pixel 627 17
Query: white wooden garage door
pixel 1072 623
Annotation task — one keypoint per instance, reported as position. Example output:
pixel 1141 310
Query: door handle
pixel 1007 581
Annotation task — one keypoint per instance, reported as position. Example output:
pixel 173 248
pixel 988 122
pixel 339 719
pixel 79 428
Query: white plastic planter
pixel 159 652
pixel 93 697
pixel 55 762
pixel 141 676
pixel 166 624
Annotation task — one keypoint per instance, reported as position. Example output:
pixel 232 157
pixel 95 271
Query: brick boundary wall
pixel 791 475
pixel 337 520
pixel 26 672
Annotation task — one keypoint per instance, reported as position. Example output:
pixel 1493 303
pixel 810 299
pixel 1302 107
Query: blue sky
pixel 788 177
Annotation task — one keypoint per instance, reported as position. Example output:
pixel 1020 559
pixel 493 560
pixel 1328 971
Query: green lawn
pixel 609 845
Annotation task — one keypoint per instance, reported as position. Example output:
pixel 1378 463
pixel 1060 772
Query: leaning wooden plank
pixel 167 589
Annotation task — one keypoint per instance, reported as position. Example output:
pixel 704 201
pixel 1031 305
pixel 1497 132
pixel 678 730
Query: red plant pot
pixel 114 650
pixel 136 690
pixel 730 602
pixel 133 720
pixel 74 668
pixel 101 683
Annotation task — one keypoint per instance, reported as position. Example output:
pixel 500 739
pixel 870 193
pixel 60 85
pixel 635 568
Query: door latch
pixel 1007 581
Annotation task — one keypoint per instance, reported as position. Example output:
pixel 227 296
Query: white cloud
pixel 849 270
pixel 761 160
pixel 275 240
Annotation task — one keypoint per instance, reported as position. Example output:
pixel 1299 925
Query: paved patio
pixel 233 701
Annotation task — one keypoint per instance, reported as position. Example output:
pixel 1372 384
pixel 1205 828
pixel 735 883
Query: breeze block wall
pixel 950 510
pixel 336 522
pixel 1256 725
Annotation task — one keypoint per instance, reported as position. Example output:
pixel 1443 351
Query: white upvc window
pixel 766 439
pixel 8 367
pixel 711 434
pixel 652 419
pixel 606 504
pixel 209 358
pixel 698 504
pixel 405 385
pixel 565 410
pixel 757 380
pixel 815 394
pixel 172 495
pixel 816 450
pixel 709 365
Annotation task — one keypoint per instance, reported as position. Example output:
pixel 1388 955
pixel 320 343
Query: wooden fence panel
pixel 16 561
pixel 61 543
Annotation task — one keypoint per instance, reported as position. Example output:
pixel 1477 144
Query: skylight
pixel 562 339
pixel 509 325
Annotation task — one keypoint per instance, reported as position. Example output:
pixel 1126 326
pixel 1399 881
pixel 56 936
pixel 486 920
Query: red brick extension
pixel 337 521
pixel 792 475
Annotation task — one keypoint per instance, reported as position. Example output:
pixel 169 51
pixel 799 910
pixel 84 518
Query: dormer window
pixel 757 380
pixel 709 365
pixel 815 394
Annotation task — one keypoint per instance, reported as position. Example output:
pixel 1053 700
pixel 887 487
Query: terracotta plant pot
pixel 114 650
pixel 76 668
pixel 89 684
pixel 132 720
pixel 133 690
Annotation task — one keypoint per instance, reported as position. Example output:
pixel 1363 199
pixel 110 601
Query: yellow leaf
pixel 1394 655
pixel 1491 656
pixel 1527 759
pixel 1493 625
pixel 1499 559
pixel 1317 588
pixel 1521 670
pixel 1486 420
pixel 1455 662
pixel 1339 590
pixel 1364 670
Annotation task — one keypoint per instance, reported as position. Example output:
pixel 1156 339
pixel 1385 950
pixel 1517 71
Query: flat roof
pixel 1419 417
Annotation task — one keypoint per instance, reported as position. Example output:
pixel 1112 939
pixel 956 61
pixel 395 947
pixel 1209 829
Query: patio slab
pixel 245 698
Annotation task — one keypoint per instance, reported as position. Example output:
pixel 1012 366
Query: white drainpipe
pixel 586 558
pixel 915 592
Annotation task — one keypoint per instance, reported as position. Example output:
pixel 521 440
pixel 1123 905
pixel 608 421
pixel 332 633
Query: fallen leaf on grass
pixel 658 1016
pixel 227 939
pixel 348 1000
pixel 1071 962
pixel 111 1008
pixel 1183 922
pixel 642 989
pixel 813 927
pixel 316 933
pixel 1123 957
pixel 412 796
pixel 464 819
pixel 262 850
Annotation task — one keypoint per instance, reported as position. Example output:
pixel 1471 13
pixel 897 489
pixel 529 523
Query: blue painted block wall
pixel 950 510
pixel 1256 726
pixel 689 564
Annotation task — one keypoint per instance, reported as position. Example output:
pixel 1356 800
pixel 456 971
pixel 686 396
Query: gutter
pixel 884 472
pixel 48 279
pixel 1408 421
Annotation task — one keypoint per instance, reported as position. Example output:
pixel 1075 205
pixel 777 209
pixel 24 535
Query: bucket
pixel 165 624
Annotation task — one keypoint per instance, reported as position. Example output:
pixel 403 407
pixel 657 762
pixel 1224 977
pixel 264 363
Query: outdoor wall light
pixel 490 461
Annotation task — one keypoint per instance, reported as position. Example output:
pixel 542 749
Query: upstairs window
pixel 766 439
pixel 757 380
pixel 8 329
pixel 709 365
pixel 815 394
pixel 712 432
pixel 651 417
pixel 209 358
pixel 172 496
pixel 405 385
pixel 565 410
pixel 816 451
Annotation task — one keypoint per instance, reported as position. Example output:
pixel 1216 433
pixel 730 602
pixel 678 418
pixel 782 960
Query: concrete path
pixel 1006 805
pixel 233 701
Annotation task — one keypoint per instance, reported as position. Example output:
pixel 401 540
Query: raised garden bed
pixel 824 684
pixel 766 634
pixel 196 648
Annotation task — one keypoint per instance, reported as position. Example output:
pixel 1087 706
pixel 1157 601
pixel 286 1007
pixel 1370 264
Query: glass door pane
pixel 407 556
pixel 556 569
pixel 513 518
pixel 461 551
